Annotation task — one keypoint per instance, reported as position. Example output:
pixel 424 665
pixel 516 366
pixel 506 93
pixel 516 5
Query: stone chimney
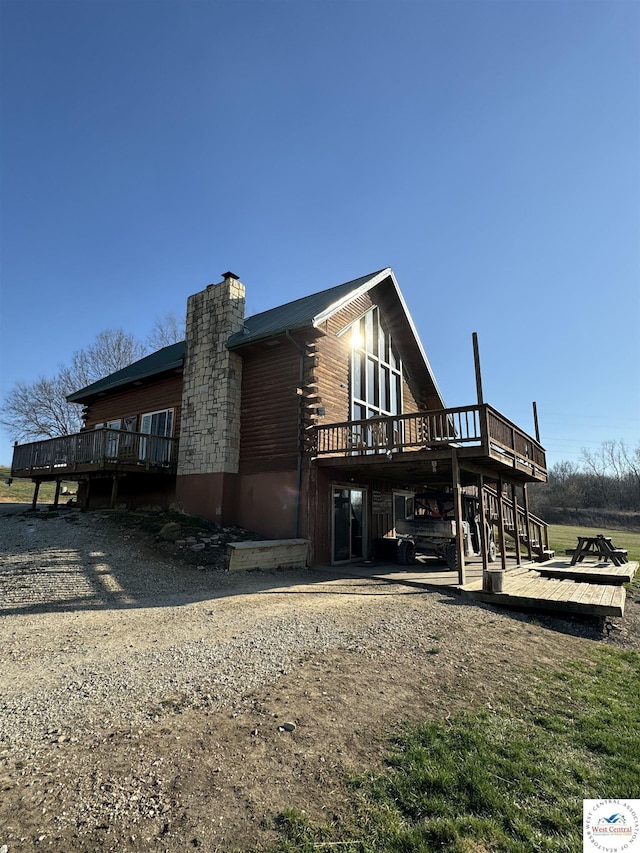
pixel 208 454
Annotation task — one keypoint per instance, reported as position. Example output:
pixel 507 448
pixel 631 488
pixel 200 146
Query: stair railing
pixel 535 536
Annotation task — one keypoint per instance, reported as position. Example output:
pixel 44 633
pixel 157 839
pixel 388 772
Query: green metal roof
pixel 299 314
pixel 167 358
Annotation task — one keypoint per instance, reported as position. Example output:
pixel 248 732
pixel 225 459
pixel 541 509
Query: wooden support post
pixel 34 502
pixel 514 501
pixel 484 539
pixel 56 497
pixel 535 421
pixel 85 500
pixel 114 491
pixel 476 361
pixel 527 521
pixel 457 506
pixel 503 550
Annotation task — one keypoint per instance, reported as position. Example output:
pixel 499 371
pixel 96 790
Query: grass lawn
pixel 21 491
pixel 562 537
pixel 511 779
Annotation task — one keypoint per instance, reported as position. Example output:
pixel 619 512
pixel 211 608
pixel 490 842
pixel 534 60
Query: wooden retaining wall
pixel 267 554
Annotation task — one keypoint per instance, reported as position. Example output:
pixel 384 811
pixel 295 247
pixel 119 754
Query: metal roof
pixel 299 314
pixel 167 358
pixel 294 315
pixel 309 311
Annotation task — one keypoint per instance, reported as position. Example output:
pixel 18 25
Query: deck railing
pixel 532 531
pixel 97 449
pixel 467 426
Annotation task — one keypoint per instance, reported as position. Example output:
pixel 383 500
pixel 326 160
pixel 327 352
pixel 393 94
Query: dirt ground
pixel 208 773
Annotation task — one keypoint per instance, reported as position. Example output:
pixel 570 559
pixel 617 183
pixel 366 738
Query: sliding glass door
pixel 348 524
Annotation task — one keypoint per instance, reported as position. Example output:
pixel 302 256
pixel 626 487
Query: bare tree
pixel 40 410
pixel 166 331
pixel 608 478
pixel 112 350
pixel 597 465
pixel 616 471
pixel 564 471
pixel 630 465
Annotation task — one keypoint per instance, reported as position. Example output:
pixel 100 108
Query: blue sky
pixel 489 152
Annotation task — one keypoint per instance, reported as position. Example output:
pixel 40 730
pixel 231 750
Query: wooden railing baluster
pixel 478 425
pixel 98 449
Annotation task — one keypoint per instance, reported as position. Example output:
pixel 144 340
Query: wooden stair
pixel 533 536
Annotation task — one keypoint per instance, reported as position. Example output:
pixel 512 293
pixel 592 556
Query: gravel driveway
pixel 141 697
pixel 99 631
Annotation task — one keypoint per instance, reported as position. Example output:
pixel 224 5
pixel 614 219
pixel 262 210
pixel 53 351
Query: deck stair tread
pixel 527 584
pixel 519 570
pixel 530 589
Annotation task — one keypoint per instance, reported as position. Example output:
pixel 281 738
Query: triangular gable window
pixel 376 369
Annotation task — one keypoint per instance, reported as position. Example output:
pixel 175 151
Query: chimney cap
pixel 228 274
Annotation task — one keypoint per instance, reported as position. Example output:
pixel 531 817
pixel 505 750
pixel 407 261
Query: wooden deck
pixel 384 445
pixel 599 572
pixel 109 451
pixel 524 586
pixel 529 589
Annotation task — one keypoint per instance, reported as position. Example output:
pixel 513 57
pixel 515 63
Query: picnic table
pixel 598 546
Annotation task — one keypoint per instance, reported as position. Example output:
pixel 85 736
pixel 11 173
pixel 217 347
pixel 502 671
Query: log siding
pixel 154 396
pixel 270 408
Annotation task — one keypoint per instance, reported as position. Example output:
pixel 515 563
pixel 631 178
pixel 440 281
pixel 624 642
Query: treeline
pixel 607 480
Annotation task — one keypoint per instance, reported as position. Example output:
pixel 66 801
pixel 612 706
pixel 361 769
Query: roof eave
pixel 267 336
pixel 339 304
pixel 364 288
pixel 86 393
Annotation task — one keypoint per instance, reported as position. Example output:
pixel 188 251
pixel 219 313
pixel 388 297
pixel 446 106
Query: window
pixel 403 506
pixel 111 446
pixel 158 425
pixel 376 369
